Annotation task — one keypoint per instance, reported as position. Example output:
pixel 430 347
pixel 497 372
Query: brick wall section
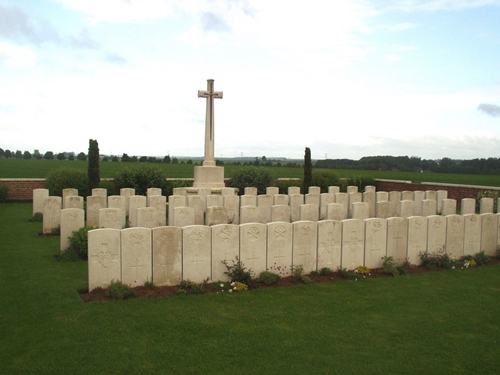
pixel 21 189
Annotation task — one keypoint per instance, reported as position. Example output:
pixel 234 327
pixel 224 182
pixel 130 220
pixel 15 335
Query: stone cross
pixel 210 95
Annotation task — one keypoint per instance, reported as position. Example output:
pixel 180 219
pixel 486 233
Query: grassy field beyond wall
pixel 19 168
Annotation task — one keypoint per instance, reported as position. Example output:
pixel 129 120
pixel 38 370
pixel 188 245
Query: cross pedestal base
pixel 208 177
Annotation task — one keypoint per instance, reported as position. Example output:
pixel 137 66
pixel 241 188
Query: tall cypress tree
pixel 307 170
pixel 93 171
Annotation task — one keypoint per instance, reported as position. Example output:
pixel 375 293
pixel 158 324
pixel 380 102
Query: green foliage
pixel 141 178
pixel 269 278
pixel 360 181
pixel 481 258
pixel 190 287
pixel 110 186
pixel 298 274
pixel 171 185
pixel 346 274
pixel 284 184
pixel 67 178
pixel 443 260
pixel 238 272
pixel 149 285
pixel 307 170
pixel 119 290
pixel 93 167
pixel 325 178
pixel 37 218
pixel 325 271
pixel 389 266
pixel 79 241
pixel 4 189
pixel 70 255
pixel 250 176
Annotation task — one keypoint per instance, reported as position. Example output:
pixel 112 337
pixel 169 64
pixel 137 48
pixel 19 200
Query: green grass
pixel 435 323
pixel 20 168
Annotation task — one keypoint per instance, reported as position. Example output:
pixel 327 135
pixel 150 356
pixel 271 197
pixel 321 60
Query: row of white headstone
pixel 166 255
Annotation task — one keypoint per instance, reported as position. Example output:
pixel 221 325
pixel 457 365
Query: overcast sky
pixel 347 79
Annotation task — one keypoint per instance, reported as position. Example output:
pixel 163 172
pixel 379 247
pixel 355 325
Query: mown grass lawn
pixel 444 322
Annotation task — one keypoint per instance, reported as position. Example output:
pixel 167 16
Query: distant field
pixel 20 168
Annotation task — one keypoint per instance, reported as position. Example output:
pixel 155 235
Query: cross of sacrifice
pixel 210 95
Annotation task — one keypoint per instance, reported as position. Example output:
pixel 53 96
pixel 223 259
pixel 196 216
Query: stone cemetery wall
pixel 166 255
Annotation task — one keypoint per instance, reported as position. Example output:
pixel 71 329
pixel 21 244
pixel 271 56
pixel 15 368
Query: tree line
pixel 487 166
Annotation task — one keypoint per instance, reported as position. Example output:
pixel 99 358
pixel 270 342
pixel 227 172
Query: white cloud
pixel 15 56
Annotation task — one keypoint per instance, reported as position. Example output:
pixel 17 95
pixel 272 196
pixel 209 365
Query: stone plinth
pixel 208 177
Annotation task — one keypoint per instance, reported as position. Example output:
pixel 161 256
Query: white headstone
pixel 455 236
pixel 117 201
pixel 489 233
pixel 197 247
pixel 51 213
pixel 167 255
pixel 279 247
pixel 151 192
pixel 369 197
pixel 472 234
pixel 293 190
pixel 280 213
pixel 335 211
pixel 382 210
pixel 175 201
pixel 305 245
pixel 360 210
pixel 370 189
pixel 429 207
pixel 417 238
pixel 113 218
pixel 406 208
pixel 39 196
pixel 253 246
pixel 264 204
pixel 407 195
pixel 468 206
pixel 353 243
pixel 333 189
pixel 486 205
pixel 249 190
pixel 382 196
pixel 249 214
pixel 94 204
pixel 100 192
pixel 352 189
pixel 436 234
pixel 215 200
pixel 72 219
pixel 127 193
pixel 216 215
pixel 448 207
pixel 68 193
pixel 248 200
pixel 375 242
pixel 281 199
pixel 183 217
pixel 309 212
pixel 418 197
pixel 324 200
pixel 314 190
pixel 73 201
pixel 329 244
pixel 160 203
pixel 272 190
pixel 135 202
pixel 232 204
pixel 147 217
pixel 440 195
pixel 394 203
pixel 104 254
pixel 397 239
pixel 198 202
pixel 343 199
pixel 225 247
pixel 296 200
pixel 137 264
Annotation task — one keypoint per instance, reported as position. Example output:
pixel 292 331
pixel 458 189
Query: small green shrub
pixel 55 231
pixel 325 178
pixel 258 177
pixel 119 290
pixel 481 258
pixel 325 271
pixel 346 274
pixel 69 255
pixel 79 241
pixel 36 218
pixel 141 178
pixel 269 278
pixel 389 266
pixel 432 261
pixel 149 285
pixel 4 190
pixel 238 272
pixel 67 178
pixel 298 274
pixel 190 287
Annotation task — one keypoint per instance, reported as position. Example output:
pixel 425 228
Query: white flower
pixel 230 290
pixel 221 285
